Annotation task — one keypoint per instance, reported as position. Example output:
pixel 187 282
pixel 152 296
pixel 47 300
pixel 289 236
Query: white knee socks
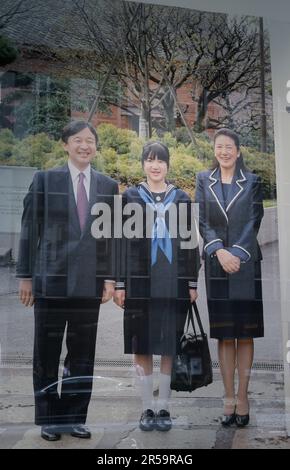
pixel 164 391
pixel 145 383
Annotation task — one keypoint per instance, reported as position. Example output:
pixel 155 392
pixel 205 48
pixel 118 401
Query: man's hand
pixel 119 297
pixel 230 263
pixel 108 291
pixel 25 292
pixel 193 295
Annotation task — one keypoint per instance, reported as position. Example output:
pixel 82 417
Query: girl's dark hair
pixel 156 150
pixel 234 136
pixel 74 127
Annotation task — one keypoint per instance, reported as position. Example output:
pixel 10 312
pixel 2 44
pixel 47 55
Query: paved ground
pixel 114 410
pixel 114 413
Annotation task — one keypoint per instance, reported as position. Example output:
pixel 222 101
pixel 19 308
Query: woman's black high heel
pixel 242 420
pixel 227 420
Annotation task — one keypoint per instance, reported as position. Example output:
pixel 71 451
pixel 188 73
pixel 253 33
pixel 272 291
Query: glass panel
pixel 137 72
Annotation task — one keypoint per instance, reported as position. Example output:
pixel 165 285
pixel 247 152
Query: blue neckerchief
pixel 160 235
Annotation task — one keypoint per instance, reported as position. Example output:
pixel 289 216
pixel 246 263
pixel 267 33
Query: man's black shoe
pixel 79 430
pixel 163 421
pixel 49 433
pixel 147 420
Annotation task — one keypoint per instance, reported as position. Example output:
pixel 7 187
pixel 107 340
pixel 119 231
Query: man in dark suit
pixel 66 273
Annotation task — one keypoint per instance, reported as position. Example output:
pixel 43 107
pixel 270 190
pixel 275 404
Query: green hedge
pixel 119 156
pixel 263 164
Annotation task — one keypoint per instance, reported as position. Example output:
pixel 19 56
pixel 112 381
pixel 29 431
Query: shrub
pixel 263 164
pixel 34 150
pixel 183 165
pixel 7 142
pixel 115 138
pixel 119 157
pixel 181 135
pixel 205 151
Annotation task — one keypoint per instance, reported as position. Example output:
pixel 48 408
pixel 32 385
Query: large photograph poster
pixel 137 72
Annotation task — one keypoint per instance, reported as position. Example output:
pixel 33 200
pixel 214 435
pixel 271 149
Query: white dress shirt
pixel 74 173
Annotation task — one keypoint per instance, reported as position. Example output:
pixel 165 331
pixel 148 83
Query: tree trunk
pixel 169 110
pixel 201 112
pixel 143 123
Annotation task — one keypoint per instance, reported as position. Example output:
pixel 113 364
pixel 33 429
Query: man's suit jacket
pixel 62 261
pixel 234 223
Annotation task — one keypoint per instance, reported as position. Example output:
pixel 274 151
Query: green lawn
pixel 270 203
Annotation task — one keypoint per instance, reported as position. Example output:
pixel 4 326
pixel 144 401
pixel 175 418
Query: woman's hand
pixel 229 263
pixel 193 295
pixel 25 292
pixel 119 297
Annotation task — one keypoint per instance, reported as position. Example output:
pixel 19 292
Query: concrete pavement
pixel 115 408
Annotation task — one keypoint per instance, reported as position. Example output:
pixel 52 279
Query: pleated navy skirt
pixel 234 301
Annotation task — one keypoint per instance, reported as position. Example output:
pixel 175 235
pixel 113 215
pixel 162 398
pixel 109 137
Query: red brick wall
pixel 115 118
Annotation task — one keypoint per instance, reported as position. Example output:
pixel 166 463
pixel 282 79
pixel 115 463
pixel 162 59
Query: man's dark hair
pixel 74 127
pixel 155 150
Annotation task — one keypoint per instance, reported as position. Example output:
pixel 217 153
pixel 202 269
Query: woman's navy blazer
pixel 232 224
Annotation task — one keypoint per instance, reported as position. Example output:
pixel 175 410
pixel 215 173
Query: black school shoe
pixel 163 421
pixel 50 433
pixel 147 420
pixel 80 431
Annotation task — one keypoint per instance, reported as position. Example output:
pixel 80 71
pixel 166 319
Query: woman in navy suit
pixel 230 213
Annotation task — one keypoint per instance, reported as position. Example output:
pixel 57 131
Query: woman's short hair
pixel 156 150
pixel 74 127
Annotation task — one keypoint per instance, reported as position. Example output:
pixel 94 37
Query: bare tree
pixel 230 65
pixel 115 44
pixel 168 48
pixel 149 65
pixel 92 51
pixel 12 11
pixel 247 107
pixel 139 56
pixel 219 55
